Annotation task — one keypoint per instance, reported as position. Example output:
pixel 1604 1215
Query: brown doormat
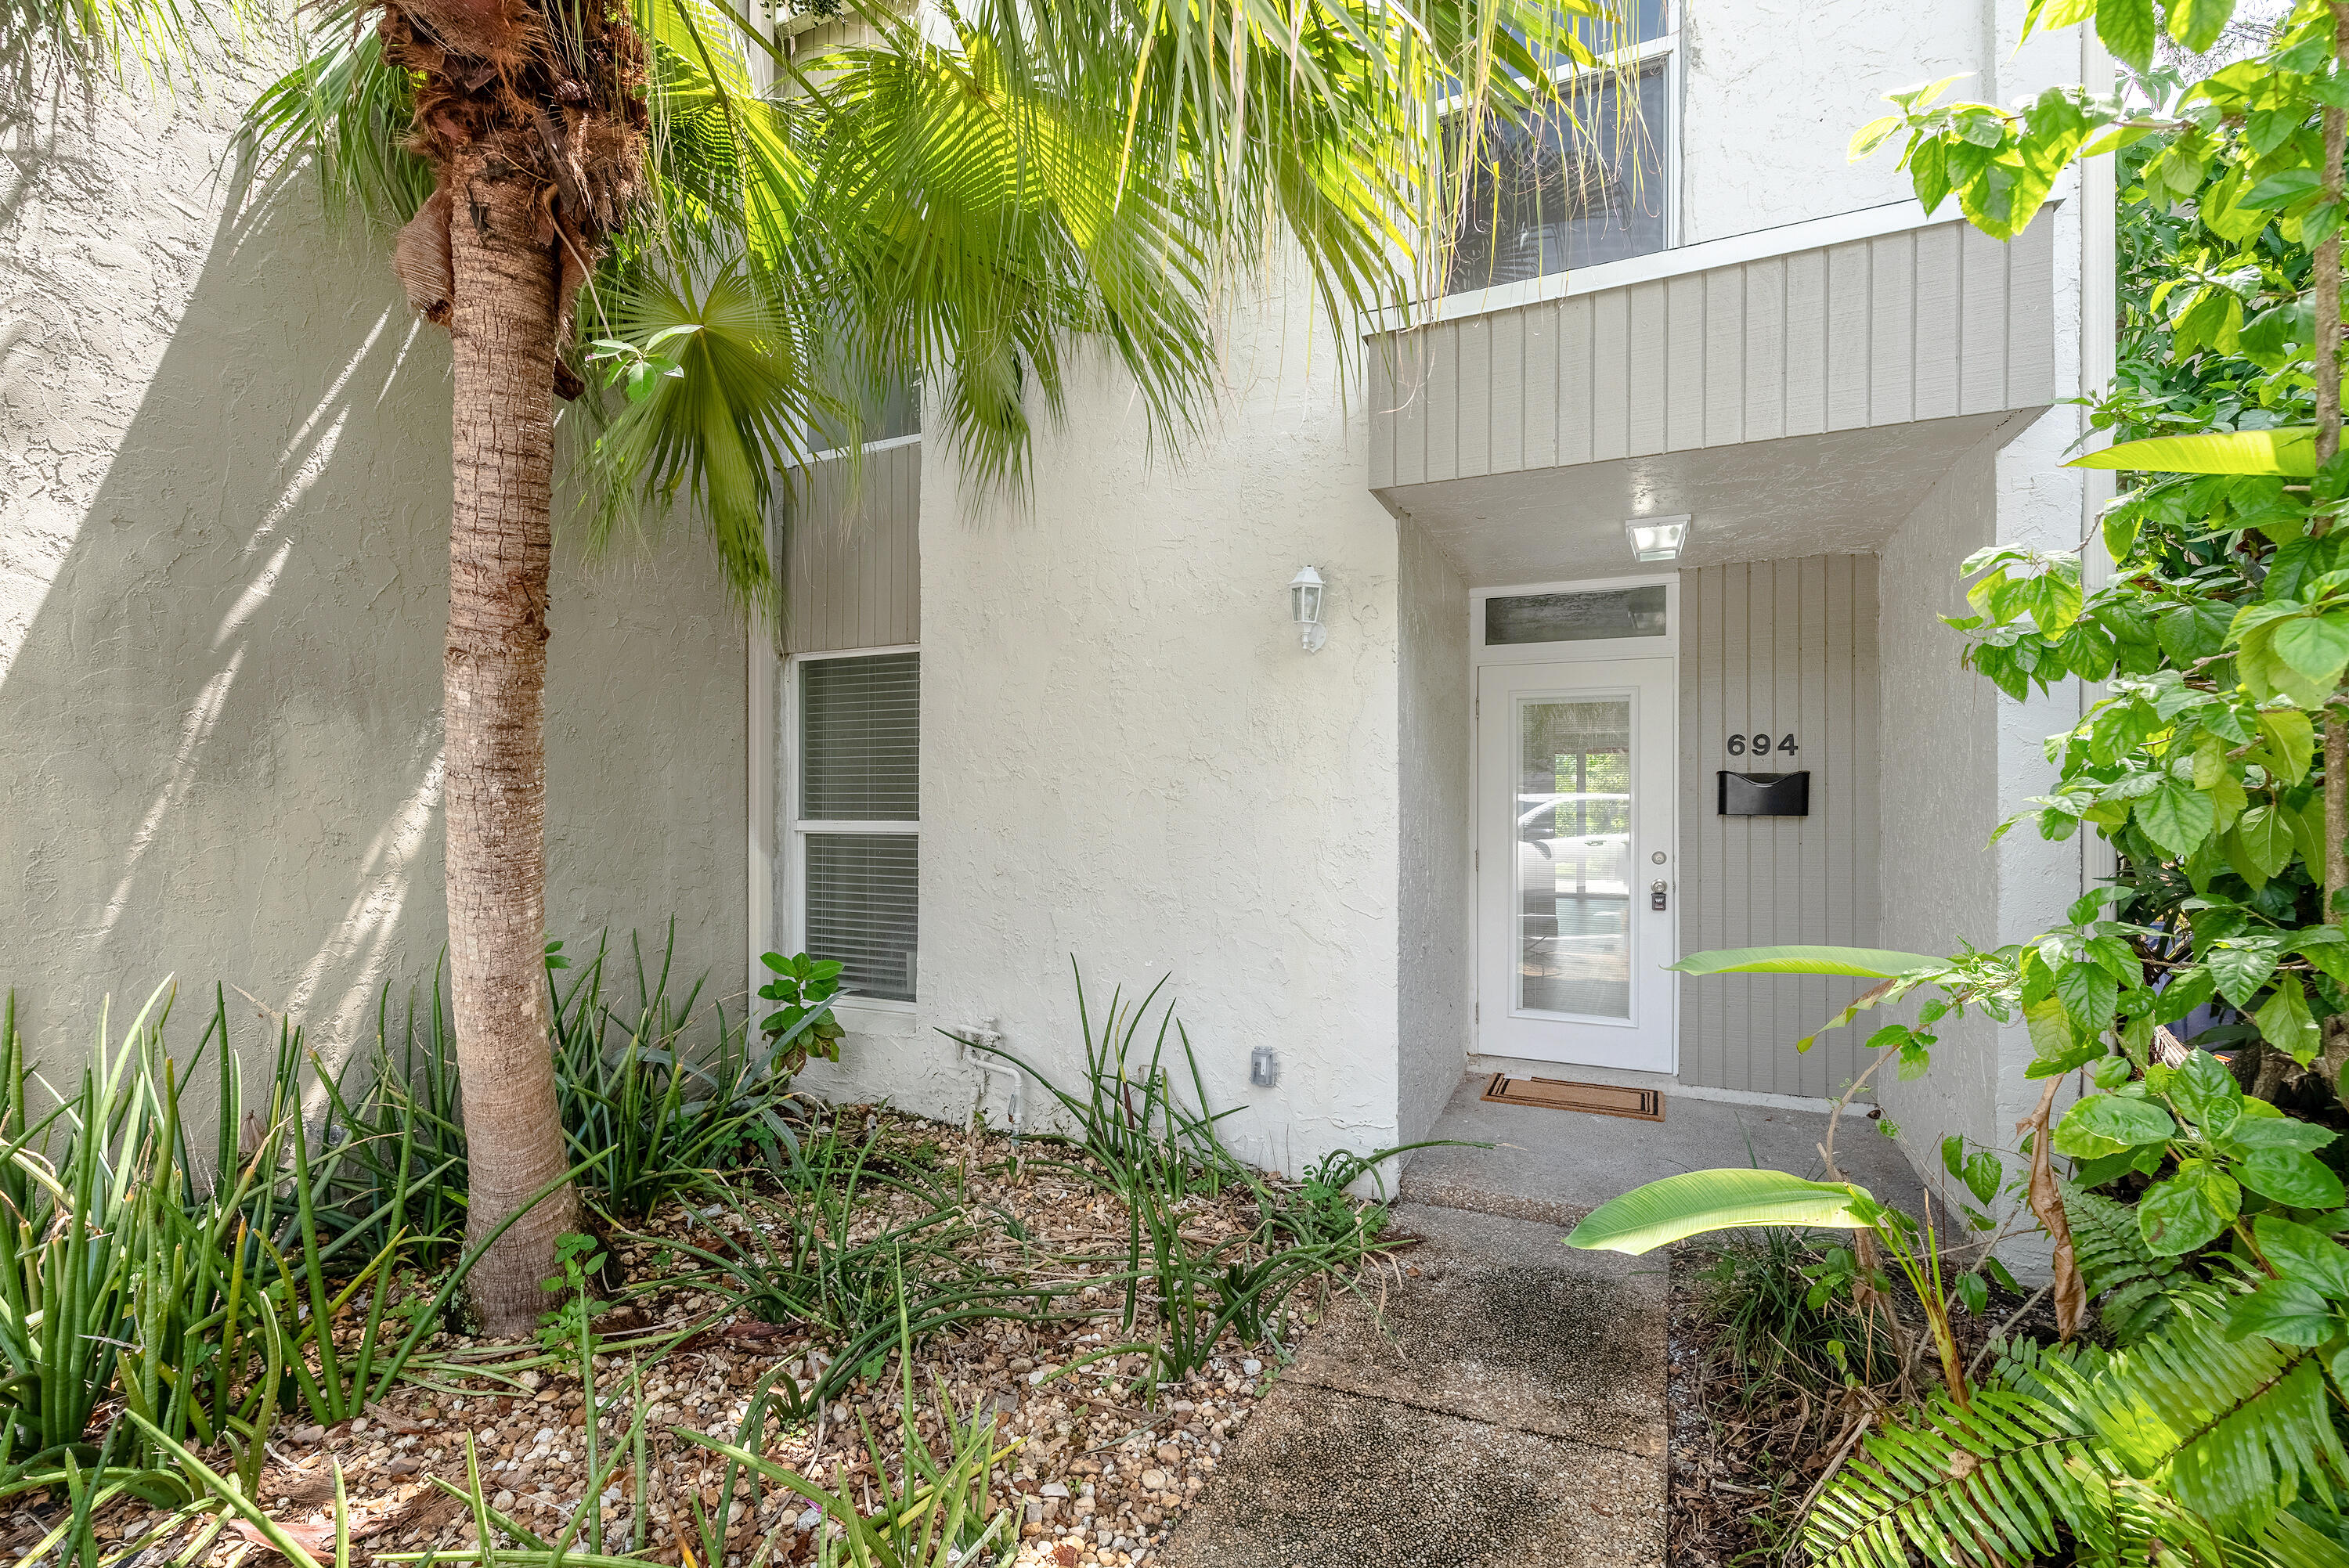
pixel 1557 1094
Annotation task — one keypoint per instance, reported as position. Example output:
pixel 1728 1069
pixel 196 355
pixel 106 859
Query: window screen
pixel 1566 189
pixel 1574 617
pixel 860 768
pixel 861 909
pixel 861 739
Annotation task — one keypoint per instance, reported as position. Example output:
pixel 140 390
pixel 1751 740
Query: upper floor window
pixel 1582 182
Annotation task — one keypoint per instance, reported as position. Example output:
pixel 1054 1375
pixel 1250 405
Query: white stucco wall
pixel 1128 761
pixel 1937 727
pixel 1437 989
pixel 1771 91
pixel 224 461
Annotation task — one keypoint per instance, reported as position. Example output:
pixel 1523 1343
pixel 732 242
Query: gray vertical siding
pixel 852 555
pixel 1925 323
pixel 1777 646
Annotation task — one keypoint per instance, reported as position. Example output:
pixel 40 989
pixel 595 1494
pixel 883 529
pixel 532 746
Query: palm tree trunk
pixel 503 321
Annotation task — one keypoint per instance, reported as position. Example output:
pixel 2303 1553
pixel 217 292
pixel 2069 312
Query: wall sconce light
pixel 1305 608
pixel 1657 537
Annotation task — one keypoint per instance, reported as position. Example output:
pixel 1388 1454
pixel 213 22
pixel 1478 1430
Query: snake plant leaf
pixel 1664 1212
pixel 2289 451
pixel 1875 962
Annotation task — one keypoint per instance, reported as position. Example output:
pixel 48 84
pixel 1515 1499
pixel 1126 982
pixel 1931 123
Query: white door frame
pixel 1659 824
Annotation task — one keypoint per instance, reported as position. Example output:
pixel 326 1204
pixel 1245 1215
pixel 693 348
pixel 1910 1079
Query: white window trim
pixel 793 915
pixel 1594 648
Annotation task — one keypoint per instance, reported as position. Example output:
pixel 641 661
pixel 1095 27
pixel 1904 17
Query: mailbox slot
pixel 1764 794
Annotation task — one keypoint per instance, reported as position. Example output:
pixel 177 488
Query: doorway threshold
pixel 1555 1169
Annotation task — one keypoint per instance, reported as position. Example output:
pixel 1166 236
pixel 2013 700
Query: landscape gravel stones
pixel 1098 1468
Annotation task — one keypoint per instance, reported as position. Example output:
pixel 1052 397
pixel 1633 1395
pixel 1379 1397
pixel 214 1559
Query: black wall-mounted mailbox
pixel 1764 794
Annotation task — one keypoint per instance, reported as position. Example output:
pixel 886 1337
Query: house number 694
pixel 1760 744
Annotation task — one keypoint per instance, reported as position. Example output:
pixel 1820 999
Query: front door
pixel 1575 855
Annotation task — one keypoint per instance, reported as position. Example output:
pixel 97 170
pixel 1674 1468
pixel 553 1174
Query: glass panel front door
pixel 1575 876
pixel 1573 857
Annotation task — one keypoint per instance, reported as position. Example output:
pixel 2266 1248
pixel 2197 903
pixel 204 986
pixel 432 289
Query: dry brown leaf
pixel 2069 1293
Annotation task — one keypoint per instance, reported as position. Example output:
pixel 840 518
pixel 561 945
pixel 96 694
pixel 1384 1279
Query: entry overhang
pixel 1794 404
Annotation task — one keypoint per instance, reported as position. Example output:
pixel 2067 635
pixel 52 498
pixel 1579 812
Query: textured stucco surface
pixel 1772 90
pixel 1937 727
pixel 1437 927
pixel 1128 761
pixel 224 454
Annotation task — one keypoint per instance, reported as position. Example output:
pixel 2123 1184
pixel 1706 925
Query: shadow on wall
pixel 220 653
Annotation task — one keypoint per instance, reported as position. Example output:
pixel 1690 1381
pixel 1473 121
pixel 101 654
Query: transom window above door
pixel 1582 181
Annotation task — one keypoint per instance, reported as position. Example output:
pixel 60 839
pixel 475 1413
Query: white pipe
pixel 987 1034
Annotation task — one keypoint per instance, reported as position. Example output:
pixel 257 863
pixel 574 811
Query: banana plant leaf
pixel 1876 963
pixel 2289 450
pixel 1665 1212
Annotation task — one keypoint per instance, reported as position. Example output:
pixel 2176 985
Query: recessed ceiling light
pixel 1657 537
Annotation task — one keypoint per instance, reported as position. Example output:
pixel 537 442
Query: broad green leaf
pixel 2316 646
pixel 2053 598
pixel 2187 989
pixel 2177 816
pixel 2047 16
pixel 2128 30
pixel 2301 1253
pixel 2107 1123
pixel 2283 1310
pixel 2279 1132
pixel 2290 740
pixel 2060 1045
pixel 2289 451
pixel 2179 1214
pixel 1870 961
pixel 2241 971
pixel 2300 1180
pixel 2286 1022
pixel 1871 136
pixel 2089 992
pixel 1664 1212
pixel 2197 24
pixel 2207 1092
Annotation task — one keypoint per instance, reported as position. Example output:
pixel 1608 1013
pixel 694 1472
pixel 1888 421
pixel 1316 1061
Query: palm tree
pixel 960 203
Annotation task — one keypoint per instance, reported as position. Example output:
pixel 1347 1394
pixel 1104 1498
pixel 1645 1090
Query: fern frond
pixel 2130 1283
pixel 2237 1428
pixel 2290 1541
pixel 1965 1487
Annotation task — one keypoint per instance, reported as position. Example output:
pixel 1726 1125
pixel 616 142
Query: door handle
pixel 1656 892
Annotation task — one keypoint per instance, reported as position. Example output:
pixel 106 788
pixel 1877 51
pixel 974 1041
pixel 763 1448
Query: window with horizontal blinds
pixel 859 792
pixel 861 739
pixel 861 907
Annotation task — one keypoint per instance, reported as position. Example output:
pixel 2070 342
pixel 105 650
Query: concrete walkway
pixel 1504 1403
pixel 1508 1410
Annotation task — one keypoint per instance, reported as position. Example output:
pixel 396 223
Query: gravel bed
pixel 1099 1474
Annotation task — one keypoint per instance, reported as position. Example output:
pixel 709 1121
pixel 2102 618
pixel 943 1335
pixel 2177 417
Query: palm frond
pixel 742 395
pixel 347 111
pixel 1966 1486
pixel 103 38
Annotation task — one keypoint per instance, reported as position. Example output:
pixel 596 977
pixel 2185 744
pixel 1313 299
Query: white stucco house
pixel 1466 832
pixel 1469 832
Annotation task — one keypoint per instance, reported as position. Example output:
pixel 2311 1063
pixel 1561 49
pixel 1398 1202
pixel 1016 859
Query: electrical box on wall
pixel 1764 794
